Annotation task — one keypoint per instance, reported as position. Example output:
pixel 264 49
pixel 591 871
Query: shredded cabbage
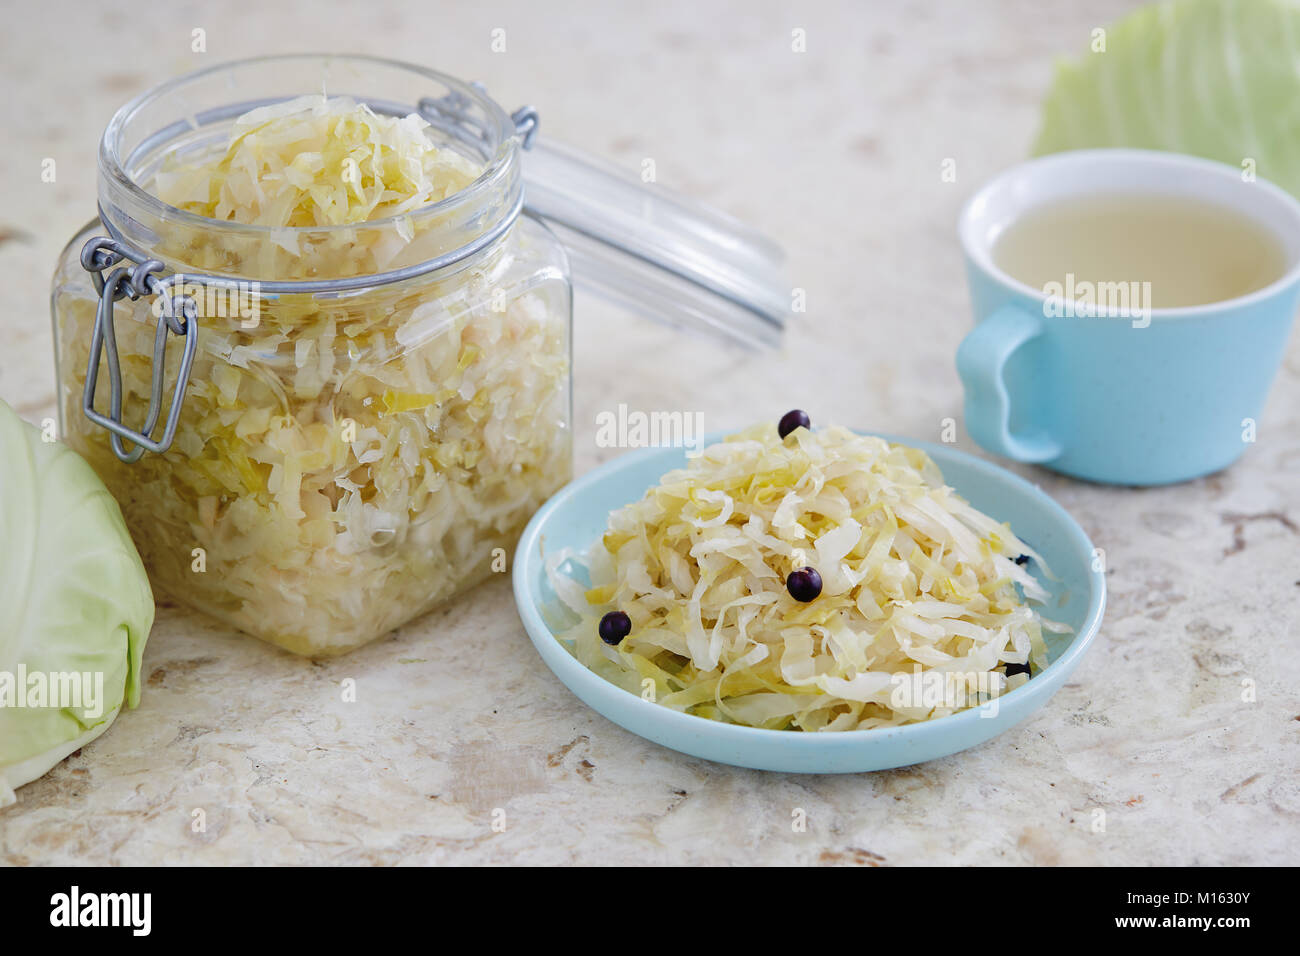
pixel 353 460
pixel 915 581
pixel 317 161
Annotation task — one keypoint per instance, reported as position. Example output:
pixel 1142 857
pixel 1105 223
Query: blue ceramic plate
pixel 575 518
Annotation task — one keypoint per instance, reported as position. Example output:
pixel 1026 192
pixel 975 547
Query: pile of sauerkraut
pixel 916 584
pixel 349 461
pixel 316 161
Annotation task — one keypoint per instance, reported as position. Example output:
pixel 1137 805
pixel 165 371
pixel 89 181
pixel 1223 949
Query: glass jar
pixel 316 434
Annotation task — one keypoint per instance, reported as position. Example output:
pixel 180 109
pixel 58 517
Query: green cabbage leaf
pixel 74 600
pixel 1211 78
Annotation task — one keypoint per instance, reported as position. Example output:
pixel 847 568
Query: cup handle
pixel 981 359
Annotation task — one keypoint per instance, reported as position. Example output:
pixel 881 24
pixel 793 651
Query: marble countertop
pixel 837 152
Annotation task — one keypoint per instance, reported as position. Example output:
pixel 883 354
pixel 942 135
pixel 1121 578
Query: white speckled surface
pixel 836 152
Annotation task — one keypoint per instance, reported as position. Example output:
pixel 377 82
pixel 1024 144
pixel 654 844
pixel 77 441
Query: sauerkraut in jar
pixel 379 393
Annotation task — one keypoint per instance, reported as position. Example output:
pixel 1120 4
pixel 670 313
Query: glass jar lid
pixel 656 252
pixel 642 246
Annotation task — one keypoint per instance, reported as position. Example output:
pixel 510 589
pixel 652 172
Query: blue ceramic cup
pixel 1119 394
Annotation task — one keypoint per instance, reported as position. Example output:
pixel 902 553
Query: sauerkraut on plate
pixel 823 580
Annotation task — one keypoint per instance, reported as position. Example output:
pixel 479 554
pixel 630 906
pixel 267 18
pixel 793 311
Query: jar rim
pixel 498 167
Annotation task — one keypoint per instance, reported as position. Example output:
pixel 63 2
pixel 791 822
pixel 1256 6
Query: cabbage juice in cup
pixel 1184 250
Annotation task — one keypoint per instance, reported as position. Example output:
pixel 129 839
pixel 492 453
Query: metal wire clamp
pixel 178 315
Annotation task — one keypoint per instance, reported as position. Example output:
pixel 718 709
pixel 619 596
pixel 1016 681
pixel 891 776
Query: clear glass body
pixel 344 461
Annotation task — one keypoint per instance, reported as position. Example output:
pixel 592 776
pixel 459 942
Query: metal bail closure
pixel 177 313
pixel 526 120
pixel 450 113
